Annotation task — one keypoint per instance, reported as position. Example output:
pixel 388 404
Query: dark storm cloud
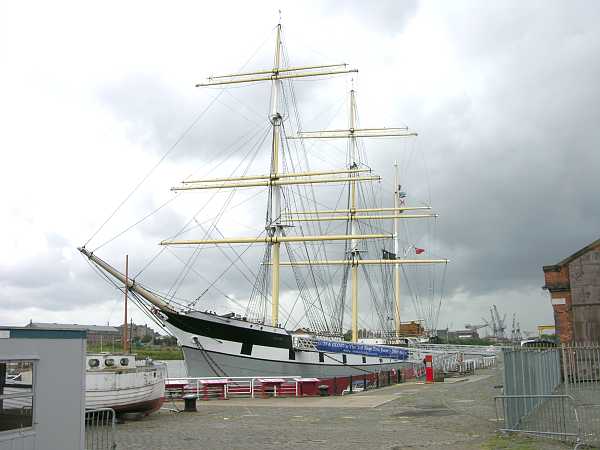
pixel 514 162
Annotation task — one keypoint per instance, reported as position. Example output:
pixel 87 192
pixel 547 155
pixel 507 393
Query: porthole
pixel 93 362
pixel 109 362
pixel 124 361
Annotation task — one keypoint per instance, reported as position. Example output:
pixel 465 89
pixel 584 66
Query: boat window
pixel 344 359
pixel 124 361
pixel 109 362
pixel 364 359
pixel 321 357
pixel 93 362
pixel 16 394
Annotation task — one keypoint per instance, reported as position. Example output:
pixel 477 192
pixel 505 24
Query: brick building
pixel 95 333
pixel 138 331
pixel 574 286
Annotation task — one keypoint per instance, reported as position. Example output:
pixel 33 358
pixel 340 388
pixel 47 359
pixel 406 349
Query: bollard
pixel 364 382
pixel 428 368
pixel 190 403
pixel 351 384
pixel 323 390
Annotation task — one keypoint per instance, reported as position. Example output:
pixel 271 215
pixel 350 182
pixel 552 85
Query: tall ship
pixel 332 264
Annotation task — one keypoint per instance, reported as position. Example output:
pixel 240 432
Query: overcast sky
pixel 504 95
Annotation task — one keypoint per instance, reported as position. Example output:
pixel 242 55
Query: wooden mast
pixel 396 251
pixel 125 337
pixel 275 203
pixel 354 252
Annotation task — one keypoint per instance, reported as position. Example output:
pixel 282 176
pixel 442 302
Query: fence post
pixel 565 371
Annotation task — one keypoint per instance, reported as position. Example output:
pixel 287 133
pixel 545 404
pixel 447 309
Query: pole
pixel 396 251
pixel 275 212
pixel 354 273
pixel 125 340
pixel 354 243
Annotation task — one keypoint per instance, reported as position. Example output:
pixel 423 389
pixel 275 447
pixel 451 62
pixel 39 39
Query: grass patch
pixel 521 442
pixel 159 353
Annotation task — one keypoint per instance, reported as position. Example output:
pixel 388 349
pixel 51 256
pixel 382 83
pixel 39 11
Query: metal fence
pixel 100 429
pixel 552 392
pixel 551 416
pixel 581 374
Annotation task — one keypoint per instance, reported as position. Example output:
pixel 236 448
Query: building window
pixel 16 394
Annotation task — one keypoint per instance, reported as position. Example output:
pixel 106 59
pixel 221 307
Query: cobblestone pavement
pixel 457 415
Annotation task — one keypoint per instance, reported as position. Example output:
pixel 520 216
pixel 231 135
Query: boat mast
pixel 131 284
pixel 275 203
pixel 354 252
pixel 396 251
pixel 125 338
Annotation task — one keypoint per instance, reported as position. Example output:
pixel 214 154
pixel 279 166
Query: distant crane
pixel 496 324
pixel 515 334
pixel 474 328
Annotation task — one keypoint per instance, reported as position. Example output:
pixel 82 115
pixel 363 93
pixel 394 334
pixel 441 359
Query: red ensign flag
pixel 418 250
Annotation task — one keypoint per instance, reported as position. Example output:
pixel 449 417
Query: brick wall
pixel 557 282
pixel 574 286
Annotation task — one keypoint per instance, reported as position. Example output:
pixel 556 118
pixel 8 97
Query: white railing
pixel 304 343
pixel 482 350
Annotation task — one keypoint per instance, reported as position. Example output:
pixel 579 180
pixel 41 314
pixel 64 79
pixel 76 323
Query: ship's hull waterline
pixel 216 346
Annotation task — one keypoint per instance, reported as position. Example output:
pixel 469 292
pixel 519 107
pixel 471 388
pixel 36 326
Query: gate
pixel 552 392
pixel 100 429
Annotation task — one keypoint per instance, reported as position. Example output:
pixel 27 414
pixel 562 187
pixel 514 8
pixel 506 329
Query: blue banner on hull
pixel 362 349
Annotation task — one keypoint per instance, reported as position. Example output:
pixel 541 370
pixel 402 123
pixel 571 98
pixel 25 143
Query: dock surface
pixel 457 414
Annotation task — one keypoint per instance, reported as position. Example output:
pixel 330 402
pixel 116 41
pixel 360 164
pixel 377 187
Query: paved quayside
pixel 458 414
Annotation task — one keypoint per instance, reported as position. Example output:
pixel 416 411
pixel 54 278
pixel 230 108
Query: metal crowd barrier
pixel 589 424
pixel 100 429
pixel 551 416
pixel 552 392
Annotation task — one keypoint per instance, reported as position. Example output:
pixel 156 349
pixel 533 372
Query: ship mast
pixel 354 252
pixel 352 133
pixel 396 251
pixel 274 180
pixel 274 225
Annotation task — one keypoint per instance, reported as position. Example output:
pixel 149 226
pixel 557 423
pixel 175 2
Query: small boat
pixel 120 382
